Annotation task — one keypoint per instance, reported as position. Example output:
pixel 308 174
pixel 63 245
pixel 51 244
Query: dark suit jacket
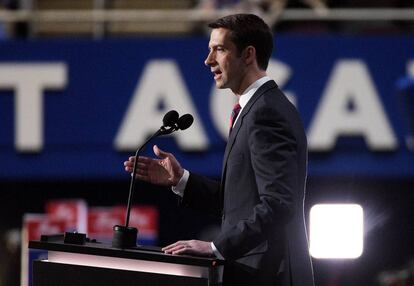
pixel 261 193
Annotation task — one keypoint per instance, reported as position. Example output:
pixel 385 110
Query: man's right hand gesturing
pixel 165 171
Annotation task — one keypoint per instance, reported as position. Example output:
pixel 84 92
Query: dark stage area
pixel 387 205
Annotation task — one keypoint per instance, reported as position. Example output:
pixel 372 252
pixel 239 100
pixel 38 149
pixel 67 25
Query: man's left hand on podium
pixel 192 247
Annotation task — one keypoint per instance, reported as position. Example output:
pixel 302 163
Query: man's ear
pixel 249 55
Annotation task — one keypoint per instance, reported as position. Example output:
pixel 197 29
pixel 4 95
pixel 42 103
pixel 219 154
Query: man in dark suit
pixel 261 193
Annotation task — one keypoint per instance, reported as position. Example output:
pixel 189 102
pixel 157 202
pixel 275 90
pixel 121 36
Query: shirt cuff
pixel 216 252
pixel 182 183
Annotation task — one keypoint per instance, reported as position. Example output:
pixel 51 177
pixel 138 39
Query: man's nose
pixel 209 60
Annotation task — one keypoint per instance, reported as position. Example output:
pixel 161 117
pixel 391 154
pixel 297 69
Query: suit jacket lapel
pixel 233 134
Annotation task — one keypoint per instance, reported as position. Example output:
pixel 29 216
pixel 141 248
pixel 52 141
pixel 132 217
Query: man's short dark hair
pixel 248 30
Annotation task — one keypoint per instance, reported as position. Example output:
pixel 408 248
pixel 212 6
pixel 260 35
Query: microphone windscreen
pixel 170 118
pixel 185 121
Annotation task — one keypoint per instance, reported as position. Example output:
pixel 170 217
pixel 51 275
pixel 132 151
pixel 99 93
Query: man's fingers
pixel 183 250
pixel 173 247
pixel 141 159
pixel 193 247
pixel 129 166
pixel 141 166
pixel 144 160
pixel 179 247
pixel 159 152
pixel 175 250
pixel 169 246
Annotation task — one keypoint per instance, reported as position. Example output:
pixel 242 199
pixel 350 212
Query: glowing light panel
pixel 336 231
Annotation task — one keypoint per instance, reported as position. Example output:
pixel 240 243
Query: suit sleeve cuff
pixel 216 252
pixel 180 187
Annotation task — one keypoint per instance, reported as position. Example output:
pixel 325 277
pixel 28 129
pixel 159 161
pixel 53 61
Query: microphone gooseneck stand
pixel 125 236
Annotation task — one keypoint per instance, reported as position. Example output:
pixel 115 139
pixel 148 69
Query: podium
pixel 94 263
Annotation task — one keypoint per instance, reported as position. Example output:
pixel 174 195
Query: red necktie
pixel 234 113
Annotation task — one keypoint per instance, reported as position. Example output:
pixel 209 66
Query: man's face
pixel 224 60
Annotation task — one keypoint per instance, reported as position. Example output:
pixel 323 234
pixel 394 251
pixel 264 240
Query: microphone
pixel 172 122
pixel 185 121
pixel 170 118
pixel 126 236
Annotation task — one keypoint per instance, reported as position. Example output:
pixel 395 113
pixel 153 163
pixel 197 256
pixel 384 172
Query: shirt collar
pixel 248 93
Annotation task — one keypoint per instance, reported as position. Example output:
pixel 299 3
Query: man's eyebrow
pixel 216 46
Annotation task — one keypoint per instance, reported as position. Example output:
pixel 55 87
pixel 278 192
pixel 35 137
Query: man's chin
pixel 220 85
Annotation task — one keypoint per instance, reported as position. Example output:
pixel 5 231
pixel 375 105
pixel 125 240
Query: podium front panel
pixel 59 274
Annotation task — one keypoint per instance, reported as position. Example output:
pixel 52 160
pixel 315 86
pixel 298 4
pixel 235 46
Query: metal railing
pixel 103 16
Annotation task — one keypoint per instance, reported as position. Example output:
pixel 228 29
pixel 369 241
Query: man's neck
pixel 248 80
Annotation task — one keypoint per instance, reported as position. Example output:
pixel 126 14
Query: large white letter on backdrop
pixel 410 67
pixel 28 81
pixel 161 83
pixel 350 106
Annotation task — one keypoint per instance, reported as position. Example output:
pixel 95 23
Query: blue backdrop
pixel 82 117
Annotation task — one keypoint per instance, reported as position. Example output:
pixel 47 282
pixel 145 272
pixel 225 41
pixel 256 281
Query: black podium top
pixel 149 253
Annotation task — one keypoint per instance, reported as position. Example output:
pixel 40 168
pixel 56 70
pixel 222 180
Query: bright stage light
pixel 336 231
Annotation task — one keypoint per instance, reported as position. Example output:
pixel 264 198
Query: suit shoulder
pixel 274 106
pixel 275 100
